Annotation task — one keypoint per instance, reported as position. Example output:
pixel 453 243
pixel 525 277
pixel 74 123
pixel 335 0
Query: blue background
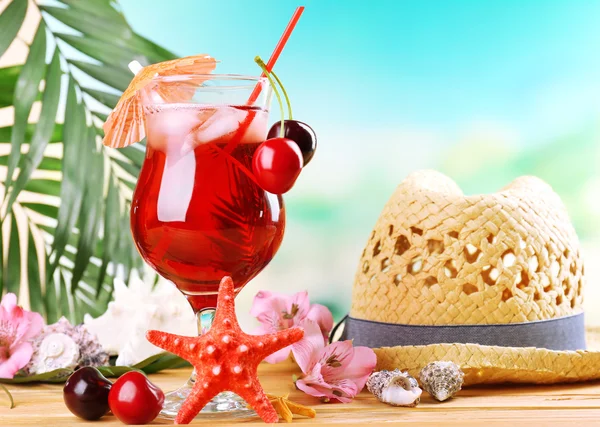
pixel 484 91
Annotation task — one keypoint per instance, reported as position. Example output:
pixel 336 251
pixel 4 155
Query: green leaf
pixel 111 231
pixel 43 130
pixel 36 299
pixel 10 398
pixel 74 165
pixel 100 9
pixel 6 133
pixel 51 302
pixel 25 93
pixel 64 298
pixel 8 81
pixel 91 213
pixel 56 376
pixel 116 77
pixel 128 167
pixel 13 265
pixel 112 31
pixel 168 361
pixel 43 209
pixel 135 155
pixel 108 99
pixel 47 187
pixel 11 20
pixel 47 163
pixel 98 25
pixel 149 360
pixel 105 52
pixel 151 365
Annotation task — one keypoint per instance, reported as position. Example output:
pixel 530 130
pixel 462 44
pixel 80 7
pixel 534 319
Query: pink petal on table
pixel 279 355
pixel 263 329
pixel 18 358
pixel 362 365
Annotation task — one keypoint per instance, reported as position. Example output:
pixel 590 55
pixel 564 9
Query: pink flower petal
pixel 31 326
pixel 268 307
pixel 362 365
pixel 263 330
pixel 315 384
pixel 307 350
pixel 341 351
pixel 9 301
pixel 321 314
pixel 300 300
pixel 279 355
pixel 18 358
pixel 344 390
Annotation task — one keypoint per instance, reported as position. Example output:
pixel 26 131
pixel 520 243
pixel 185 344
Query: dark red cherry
pixel 134 399
pixel 276 164
pixel 299 132
pixel 86 393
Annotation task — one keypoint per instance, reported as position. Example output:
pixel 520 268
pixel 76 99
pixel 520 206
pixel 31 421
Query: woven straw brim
pixel 495 365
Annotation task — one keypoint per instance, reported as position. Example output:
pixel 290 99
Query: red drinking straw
pixel 257 89
pixel 275 55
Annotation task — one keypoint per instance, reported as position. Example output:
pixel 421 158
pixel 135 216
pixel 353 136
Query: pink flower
pixel 336 372
pixel 17 327
pixel 277 311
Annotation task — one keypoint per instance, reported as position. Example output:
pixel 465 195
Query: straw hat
pixel 490 282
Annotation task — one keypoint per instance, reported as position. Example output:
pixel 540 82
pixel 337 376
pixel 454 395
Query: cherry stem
pixel 12 402
pixel 263 67
pixel 285 95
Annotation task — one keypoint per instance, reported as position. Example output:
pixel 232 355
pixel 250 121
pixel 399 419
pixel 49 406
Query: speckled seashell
pixel 395 388
pixel 55 351
pixel 89 349
pixel 441 380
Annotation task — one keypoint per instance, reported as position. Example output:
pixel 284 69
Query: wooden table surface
pixel 574 405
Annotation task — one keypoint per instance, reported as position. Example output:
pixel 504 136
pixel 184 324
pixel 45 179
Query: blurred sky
pixel 485 90
pixel 436 64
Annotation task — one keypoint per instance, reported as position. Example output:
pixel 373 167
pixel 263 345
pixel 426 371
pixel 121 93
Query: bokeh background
pixel 483 91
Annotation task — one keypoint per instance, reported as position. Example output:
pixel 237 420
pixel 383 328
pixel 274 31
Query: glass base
pixel 226 404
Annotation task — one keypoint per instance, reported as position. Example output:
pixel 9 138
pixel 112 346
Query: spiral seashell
pixel 441 380
pixel 56 351
pixel 395 388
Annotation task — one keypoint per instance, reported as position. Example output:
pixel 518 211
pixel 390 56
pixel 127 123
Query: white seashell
pixel 135 309
pixel 441 380
pixel 56 351
pixel 395 388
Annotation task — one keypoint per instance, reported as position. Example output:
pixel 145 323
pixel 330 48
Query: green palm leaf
pixel 66 199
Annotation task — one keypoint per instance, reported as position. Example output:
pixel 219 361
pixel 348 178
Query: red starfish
pixel 225 358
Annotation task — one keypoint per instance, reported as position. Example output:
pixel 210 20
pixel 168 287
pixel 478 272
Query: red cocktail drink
pixel 197 212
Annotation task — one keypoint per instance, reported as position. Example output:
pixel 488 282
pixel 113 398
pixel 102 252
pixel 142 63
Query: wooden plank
pixel 41 404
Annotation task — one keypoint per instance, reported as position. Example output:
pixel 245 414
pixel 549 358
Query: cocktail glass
pixel 197 213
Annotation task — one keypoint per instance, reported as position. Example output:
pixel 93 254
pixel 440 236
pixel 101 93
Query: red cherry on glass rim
pixel 299 132
pixel 133 399
pixel 276 164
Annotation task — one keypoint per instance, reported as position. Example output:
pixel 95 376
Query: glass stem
pixel 204 318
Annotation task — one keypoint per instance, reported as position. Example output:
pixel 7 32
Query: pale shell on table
pixel 56 351
pixel 395 388
pixel 442 380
